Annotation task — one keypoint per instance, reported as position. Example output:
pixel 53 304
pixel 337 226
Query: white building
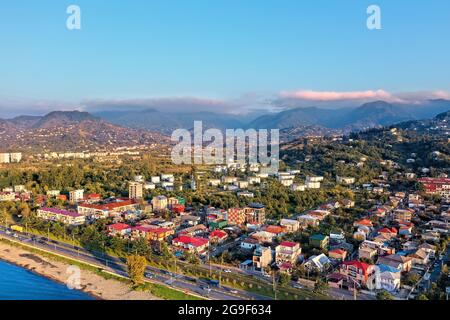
pixel 76 195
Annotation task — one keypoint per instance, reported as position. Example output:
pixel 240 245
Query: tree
pixel 136 268
pixel 384 295
pixel 284 279
pixel 320 286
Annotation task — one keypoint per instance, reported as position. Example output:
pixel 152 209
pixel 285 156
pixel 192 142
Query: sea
pixel 17 283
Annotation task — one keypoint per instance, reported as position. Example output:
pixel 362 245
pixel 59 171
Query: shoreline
pixel 91 283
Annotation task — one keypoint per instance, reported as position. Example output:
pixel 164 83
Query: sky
pixel 225 55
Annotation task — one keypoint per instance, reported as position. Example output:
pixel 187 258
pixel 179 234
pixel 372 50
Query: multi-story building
pixel 135 190
pixel 287 252
pixel 357 273
pixel 262 257
pixel 63 216
pixel 96 211
pixel 290 225
pixel 255 213
pixel 191 244
pixel 440 186
pixel 76 196
pixel 236 216
pixel 159 203
pixel 7 196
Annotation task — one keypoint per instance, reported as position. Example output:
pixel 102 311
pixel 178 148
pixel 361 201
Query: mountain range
pixel 373 114
pixel 77 131
pixel 69 130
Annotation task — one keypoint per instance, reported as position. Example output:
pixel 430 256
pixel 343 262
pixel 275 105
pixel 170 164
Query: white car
pixel 227 271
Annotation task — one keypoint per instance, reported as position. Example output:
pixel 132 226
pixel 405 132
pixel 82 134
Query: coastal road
pixel 115 265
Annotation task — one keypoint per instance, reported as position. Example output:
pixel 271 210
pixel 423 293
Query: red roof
pixel 358 264
pixel 218 233
pixel 109 206
pixel 288 244
pixel 387 230
pixel 119 226
pixel 194 241
pixel 364 222
pixel 338 251
pixel 93 196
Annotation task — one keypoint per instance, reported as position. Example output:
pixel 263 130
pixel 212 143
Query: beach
pixel 90 282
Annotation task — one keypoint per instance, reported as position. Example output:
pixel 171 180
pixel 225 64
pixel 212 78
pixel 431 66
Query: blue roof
pixel 384 268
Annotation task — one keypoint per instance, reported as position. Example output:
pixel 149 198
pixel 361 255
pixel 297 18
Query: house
pixel 151 232
pixel 356 272
pixel 262 257
pixel 319 241
pixel 290 225
pixel 190 220
pixel 431 249
pixel 249 243
pixel 263 236
pixel 308 220
pixel 389 278
pixel 319 214
pixel 337 254
pixel 363 223
pixel 420 257
pixel 389 233
pixel 287 251
pixel 367 253
pixel 319 263
pixel 347 203
pixel 191 244
pixel 194 230
pixel 401 263
pixel 218 236
pixel 275 230
pixel 403 215
pixel 119 229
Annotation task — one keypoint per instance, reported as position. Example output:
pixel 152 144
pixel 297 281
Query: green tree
pixel 384 295
pixel 136 268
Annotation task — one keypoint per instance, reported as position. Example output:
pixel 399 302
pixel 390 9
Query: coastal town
pixel 368 241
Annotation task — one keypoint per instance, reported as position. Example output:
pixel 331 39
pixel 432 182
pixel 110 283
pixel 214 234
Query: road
pixel 115 265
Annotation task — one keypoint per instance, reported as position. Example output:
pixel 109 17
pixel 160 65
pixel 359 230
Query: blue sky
pixel 219 52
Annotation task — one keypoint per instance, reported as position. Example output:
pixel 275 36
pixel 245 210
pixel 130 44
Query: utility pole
pixel 220 273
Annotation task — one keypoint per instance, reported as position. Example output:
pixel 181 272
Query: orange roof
pixel 365 222
pixel 274 229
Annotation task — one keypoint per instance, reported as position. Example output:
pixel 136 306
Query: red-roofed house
pixel 192 244
pixel 388 232
pixel 152 233
pixel 218 236
pixel 337 254
pixel 118 229
pixel 363 223
pixel 287 252
pixel 357 272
